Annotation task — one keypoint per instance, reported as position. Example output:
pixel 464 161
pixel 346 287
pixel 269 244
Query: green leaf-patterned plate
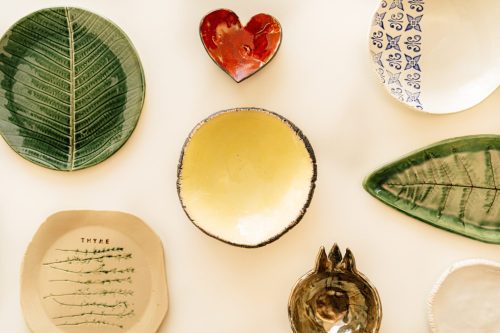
pixel 71 88
pixel 453 184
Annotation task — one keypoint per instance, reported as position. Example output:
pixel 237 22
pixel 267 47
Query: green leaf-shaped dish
pixel 71 88
pixel 453 184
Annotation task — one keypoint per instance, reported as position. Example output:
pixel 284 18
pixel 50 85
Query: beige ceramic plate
pixel 246 176
pixel 99 272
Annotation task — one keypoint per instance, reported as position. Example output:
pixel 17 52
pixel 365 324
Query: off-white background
pixel 322 80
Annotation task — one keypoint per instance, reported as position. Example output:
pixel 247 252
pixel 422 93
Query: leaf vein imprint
pixel 72 91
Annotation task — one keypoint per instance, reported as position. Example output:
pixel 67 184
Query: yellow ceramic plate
pixel 246 176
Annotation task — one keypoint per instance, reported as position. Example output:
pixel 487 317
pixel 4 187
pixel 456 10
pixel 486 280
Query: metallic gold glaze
pixel 334 298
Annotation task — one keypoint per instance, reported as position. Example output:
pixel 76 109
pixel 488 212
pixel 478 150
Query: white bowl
pixel 246 176
pixel 439 56
pixel 466 299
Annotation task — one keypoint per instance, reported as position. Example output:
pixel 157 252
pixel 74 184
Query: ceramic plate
pixel 98 272
pixel 452 184
pixel 437 56
pixel 467 299
pixel 246 176
pixel 71 88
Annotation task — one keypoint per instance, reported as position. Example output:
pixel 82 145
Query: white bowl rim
pixel 444 276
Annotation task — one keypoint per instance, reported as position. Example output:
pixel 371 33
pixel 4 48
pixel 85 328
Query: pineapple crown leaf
pixel 334 260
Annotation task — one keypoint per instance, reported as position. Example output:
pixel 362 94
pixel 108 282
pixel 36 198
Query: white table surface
pixel 322 80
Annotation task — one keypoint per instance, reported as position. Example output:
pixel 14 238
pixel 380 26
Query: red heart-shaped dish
pixel 240 51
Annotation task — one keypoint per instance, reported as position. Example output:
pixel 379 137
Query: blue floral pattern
pixel 393 42
pixel 398 94
pixel 394 60
pixel 377 39
pixel 417 5
pixel 414 23
pixel 396 21
pixel 397 4
pixel 394 78
pixel 414 43
pixel 379 20
pixel 413 80
pixel 377 58
pixel 380 72
pixel 412 62
pixel 396 48
pixel 413 97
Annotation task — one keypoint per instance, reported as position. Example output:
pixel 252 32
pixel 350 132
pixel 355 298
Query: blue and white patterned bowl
pixel 438 56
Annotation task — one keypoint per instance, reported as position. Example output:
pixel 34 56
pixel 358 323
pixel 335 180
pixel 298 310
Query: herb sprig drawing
pixel 101 286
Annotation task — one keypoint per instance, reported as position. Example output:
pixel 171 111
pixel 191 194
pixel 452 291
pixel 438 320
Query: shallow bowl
pixel 246 176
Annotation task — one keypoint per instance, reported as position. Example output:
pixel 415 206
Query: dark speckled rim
pixel 265 63
pixel 312 187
